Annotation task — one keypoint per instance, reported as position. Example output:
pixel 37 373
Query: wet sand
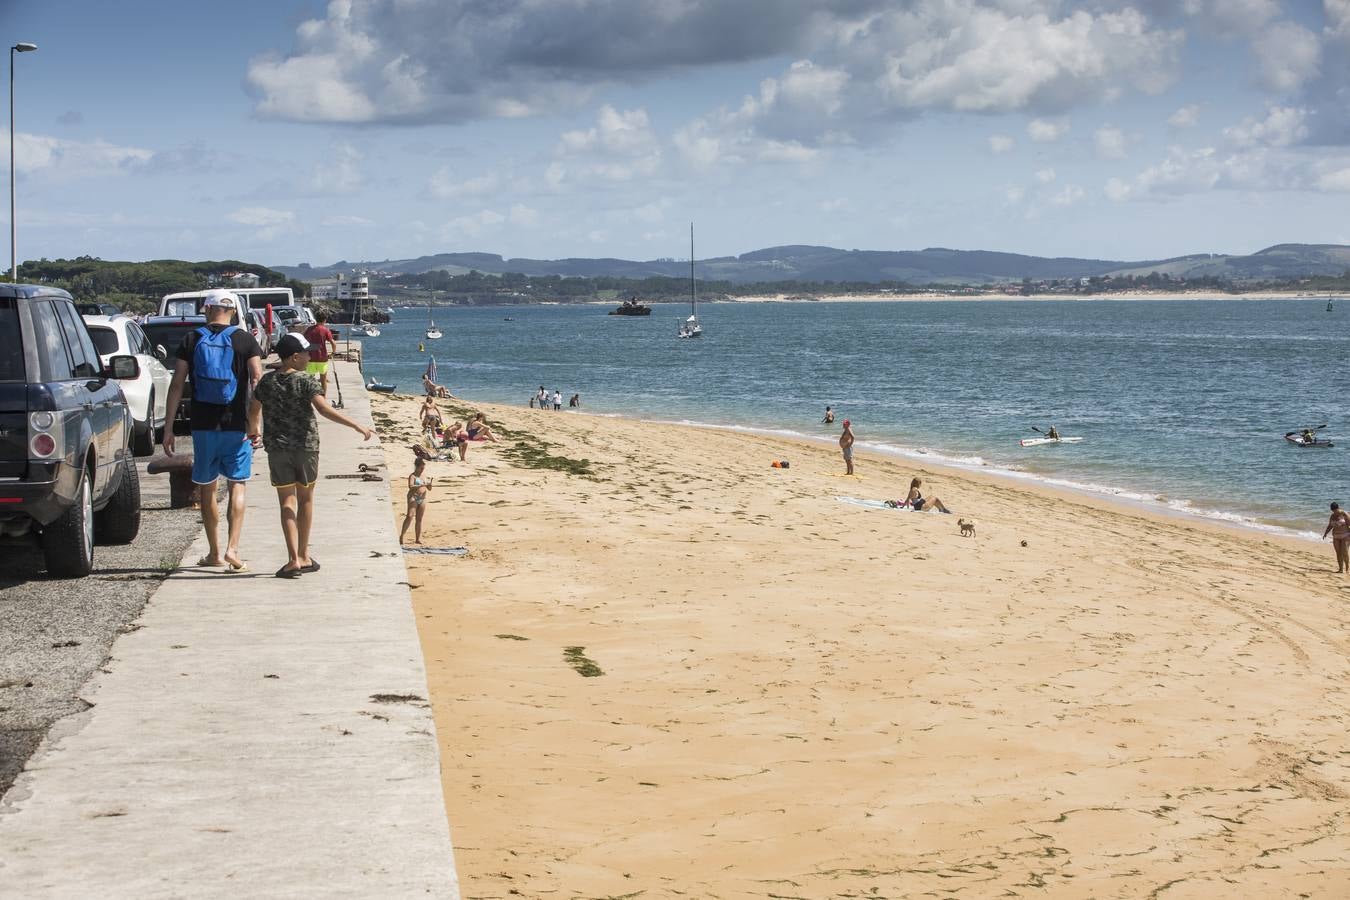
pixel 792 696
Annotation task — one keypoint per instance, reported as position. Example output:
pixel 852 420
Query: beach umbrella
pixel 431 370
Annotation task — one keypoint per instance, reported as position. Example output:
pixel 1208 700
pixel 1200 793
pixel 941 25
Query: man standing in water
pixel 829 416
pixel 846 445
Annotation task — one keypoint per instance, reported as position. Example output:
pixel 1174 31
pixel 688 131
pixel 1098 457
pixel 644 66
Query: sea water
pixel 1181 404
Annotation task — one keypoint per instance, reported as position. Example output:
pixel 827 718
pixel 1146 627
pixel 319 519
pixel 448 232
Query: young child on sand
pixel 284 403
pixel 1339 527
pixel 419 485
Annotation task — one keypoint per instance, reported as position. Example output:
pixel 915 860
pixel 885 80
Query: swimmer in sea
pixel 829 416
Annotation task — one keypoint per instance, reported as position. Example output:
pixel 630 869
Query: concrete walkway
pixel 252 736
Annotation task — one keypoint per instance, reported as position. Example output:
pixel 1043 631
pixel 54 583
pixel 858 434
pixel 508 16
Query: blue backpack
pixel 213 378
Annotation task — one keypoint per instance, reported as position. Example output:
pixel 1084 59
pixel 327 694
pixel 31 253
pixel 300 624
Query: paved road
pixel 55 632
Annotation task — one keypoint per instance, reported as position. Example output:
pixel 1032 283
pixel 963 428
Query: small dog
pixel 967 528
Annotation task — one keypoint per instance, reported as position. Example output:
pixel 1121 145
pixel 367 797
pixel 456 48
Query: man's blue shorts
pixel 217 453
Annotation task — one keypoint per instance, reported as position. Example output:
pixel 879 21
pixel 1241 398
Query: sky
pixel 290 131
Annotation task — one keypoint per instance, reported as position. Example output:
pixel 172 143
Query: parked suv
pixel 66 469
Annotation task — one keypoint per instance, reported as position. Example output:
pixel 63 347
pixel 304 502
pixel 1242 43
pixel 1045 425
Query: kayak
pixel 1036 442
pixel 1299 442
pixel 381 388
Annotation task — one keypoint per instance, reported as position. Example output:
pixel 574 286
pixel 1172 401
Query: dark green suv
pixel 67 474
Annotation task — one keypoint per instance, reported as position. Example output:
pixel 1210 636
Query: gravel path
pixel 55 632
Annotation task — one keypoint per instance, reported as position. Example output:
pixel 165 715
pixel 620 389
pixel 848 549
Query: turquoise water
pixel 1181 403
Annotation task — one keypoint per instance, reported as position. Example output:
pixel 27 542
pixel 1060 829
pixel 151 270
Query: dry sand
pixel 805 698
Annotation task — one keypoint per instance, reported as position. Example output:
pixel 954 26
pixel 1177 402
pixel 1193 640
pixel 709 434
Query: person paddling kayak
pixel 1053 433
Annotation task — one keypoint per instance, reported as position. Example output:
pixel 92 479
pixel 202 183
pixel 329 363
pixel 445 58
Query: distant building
pixel 235 280
pixel 350 292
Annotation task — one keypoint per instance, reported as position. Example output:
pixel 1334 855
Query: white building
pixel 351 292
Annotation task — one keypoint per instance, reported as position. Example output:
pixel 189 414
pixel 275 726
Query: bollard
pixel 182 492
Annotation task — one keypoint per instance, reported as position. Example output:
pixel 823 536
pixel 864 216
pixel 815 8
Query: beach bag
pixel 213 378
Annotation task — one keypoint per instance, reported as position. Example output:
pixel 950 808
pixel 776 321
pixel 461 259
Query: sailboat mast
pixel 693 289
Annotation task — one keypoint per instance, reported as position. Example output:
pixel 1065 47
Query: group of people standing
pixel 543 400
pixel 234 409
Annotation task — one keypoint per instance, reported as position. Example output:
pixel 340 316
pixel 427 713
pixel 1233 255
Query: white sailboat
pixel 691 327
pixel 433 333
pixel 365 329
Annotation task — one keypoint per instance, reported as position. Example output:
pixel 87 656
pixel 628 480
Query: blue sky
pixel 289 131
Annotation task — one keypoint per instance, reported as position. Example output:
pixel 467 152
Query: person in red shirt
pixel 320 339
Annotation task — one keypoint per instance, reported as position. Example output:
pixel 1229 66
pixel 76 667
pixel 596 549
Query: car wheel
pixel 120 521
pixel 68 543
pixel 143 433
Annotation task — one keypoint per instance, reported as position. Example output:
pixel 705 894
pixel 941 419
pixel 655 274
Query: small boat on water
pixel 631 307
pixel 691 327
pixel 433 333
pixel 1036 442
pixel 1307 437
pixel 381 388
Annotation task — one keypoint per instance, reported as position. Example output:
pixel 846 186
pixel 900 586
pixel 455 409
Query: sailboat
pixel 368 329
pixel 691 327
pixel 433 333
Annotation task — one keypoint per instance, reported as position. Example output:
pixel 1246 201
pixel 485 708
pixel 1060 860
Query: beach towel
pixel 870 504
pixel 437 551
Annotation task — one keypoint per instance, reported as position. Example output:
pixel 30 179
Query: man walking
pixel 846 445
pixel 283 405
pixel 223 363
pixel 320 338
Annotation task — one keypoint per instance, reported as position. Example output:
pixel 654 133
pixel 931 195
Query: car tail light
pixel 46 434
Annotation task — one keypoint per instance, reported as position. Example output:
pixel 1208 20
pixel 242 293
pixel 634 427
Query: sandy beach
pixel 666 669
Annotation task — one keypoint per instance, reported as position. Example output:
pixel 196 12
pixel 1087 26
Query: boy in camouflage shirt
pixel 284 403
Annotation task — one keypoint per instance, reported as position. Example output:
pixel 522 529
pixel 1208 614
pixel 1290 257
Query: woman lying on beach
pixel 418 488
pixel 917 501
pixel 1339 527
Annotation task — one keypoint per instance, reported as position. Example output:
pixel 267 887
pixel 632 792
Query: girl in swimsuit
pixel 1339 527
pixel 478 429
pixel 418 487
pixel 919 502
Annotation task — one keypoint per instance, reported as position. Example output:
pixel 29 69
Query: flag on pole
pixel 431 370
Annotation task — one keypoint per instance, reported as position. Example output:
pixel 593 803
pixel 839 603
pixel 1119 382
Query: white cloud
pixel 1047 131
pixel 65 159
pixel 341 175
pixel 1000 144
pixel 1185 117
pixel 621 146
pixel 342 221
pixel 261 216
pixel 1117 189
pixel 1109 142
pixel 1232 17
pixel 1282 127
pixel 443 185
pixel 472 225
pixel 1045 176
pixel 524 216
pixel 269 223
pixel 1067 196
pixel 1288 55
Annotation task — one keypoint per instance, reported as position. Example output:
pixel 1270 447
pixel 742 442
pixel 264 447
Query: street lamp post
pixel 20 47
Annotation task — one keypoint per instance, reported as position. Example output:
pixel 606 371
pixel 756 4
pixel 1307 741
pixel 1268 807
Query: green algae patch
pixel 583 665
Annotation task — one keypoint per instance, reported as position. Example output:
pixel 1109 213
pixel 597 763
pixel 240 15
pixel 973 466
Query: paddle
pixel 1301 430
pixel 1038 431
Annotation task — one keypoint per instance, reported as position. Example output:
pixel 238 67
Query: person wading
pixel 223 363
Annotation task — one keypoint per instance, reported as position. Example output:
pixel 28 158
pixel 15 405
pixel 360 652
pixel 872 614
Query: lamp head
pixel 23 47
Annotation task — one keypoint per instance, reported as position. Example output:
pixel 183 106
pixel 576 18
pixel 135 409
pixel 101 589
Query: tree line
pixel 138 286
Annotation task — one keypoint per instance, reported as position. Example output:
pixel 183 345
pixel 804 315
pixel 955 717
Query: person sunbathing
pixel 479 430
pixel 918 502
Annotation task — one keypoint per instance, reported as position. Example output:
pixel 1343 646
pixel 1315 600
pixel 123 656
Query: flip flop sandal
pixel 236 569
pixel 206 561
pixel 284 572
pixel 312 567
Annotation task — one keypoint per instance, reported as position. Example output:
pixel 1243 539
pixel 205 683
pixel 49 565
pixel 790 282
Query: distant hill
pixel 800 262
